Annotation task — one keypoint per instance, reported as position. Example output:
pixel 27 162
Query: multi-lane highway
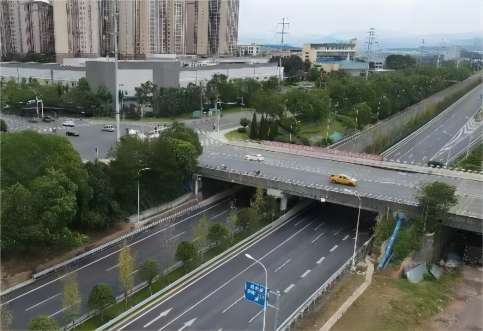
pixel 372 181
pixel 445 137
pixel 45 295
pixel 300 256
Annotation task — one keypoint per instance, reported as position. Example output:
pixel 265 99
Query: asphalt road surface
pixel 300 256
pixel 447 136
pixel 371 180
pixel 45 295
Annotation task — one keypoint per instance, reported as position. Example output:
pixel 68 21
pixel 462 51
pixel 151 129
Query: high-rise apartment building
pixel 167 26
pixel 223 26
pixel 133 28
pixel 76 28
pixel 196 36
pixel 27 27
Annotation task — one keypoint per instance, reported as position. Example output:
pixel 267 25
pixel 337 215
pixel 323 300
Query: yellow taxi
pixel 343 180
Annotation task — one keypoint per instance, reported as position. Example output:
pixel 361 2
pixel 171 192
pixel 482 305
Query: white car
pixel 108 128
pixel 68 123
pixel 257 157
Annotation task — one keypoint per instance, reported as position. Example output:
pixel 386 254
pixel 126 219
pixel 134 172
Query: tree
pixel 244 122
pixel 5 318
pixel 434 201
pixel 100 298
pixel 43 323
pixel 200 233
pixel 3 125
pixel 260 203
pixel 71 299
pixel 253 134
pixel 217 234
pixel 247 218
pixel 269 103
pixel 313 74
pixel 148 271
pixel 363 114
pixel 396 61
pixel 186 253
pixel 231 223
pixel 126 268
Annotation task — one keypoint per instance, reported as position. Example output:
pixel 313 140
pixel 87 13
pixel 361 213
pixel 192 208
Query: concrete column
pixel 283 202
pixel 197 184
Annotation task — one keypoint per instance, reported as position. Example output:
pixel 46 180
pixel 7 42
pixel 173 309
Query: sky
pixel 311 19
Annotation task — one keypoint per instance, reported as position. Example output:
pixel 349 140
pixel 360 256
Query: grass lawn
pixel 473 161
pixel 316 131
pixel 235 135
pixel 396 304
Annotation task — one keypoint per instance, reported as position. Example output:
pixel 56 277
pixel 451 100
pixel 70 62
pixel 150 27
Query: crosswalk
pixel 206 138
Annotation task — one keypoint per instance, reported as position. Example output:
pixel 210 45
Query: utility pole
pixel 116 93
pixel 282 33
pixel 371 42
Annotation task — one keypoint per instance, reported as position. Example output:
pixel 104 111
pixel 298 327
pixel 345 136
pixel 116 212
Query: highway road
pixel 446 137
pixel 44 296
pixel 371 180
pixel 300 256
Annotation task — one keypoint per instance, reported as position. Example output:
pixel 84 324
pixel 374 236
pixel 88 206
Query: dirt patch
pixel 20 268
pixel 324 309
pixel 465 312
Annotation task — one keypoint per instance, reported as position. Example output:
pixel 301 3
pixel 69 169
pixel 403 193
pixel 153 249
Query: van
pixel 108 128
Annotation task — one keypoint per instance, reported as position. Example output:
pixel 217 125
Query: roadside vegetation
pixel 51 200
pixel 211 240
pixel 473 161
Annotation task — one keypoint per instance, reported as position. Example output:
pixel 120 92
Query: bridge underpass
pixel 339 195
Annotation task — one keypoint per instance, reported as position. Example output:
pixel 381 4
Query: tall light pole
pixel 357 227
pixel 116 92
pixel 248 256
pixel 139 177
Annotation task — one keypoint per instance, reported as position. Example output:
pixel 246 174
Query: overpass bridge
pixel 381 185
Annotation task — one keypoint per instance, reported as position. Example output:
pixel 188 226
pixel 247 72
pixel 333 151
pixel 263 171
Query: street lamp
pixel 248 256
pixel 139 177
pixel 357 227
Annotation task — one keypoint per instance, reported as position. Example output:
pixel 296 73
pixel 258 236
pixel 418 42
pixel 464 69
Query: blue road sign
pixel 255 292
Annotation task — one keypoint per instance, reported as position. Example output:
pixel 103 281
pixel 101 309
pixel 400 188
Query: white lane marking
pixel 337 232
pixel 163 314
pixel 291 286
pixel 43 301
pixel 132 273
pixel 219 214
pixel 230 306
pixel 113 267
pixel 318 237
pixel 305 273
pixel 256 315
pixel 319 261
pixel 177 235
pixel 318 226
pixel 334 248
pixel 110 254
pixel 296 224
pixel 187 324
pixel 58 312
pixel 219 287
pixel 282 265
pixel 346 236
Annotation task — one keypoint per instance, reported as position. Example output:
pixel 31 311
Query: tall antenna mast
pixel 371 42
pixel 282 33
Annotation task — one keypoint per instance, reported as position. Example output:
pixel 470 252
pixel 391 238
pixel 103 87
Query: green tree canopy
pixel 247 219
pixel 396 61
pixel 100 298
pixel 186 252
pixel 43 323
pixel 148 271
pixel 217 234
pixel 434 201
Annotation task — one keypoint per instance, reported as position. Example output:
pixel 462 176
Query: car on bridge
pixel 343 180
pixel 68 123
pixel 257 157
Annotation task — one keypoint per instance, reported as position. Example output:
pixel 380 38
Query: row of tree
pixel 50 198
pixel 73 99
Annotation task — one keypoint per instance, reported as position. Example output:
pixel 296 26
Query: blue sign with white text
pixel 255 292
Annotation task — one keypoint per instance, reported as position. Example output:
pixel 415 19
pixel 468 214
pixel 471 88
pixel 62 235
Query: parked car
pixel 343 180
pixel 257 157
pixel 108 128
pixel 48 119
pixel 72 133
pixel 435 164
pixel 33 120
pixel 69 123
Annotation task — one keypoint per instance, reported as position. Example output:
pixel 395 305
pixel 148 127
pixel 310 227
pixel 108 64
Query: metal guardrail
pixel 307 304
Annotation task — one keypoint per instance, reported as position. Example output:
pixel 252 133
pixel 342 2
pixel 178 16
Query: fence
pixel 312 300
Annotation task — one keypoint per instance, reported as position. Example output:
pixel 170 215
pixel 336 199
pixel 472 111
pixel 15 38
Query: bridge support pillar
pixel 196 184
pixel 279 194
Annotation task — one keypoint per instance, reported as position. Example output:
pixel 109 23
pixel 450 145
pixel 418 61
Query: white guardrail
pixel 78 258
pixel 299 312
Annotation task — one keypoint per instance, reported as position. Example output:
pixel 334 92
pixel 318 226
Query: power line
pixel 282 33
